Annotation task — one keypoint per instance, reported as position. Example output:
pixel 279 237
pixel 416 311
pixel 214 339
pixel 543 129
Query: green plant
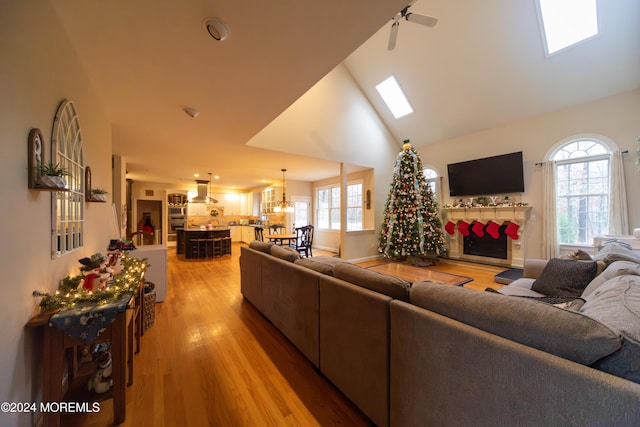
pixel 50 169
pixel 99 191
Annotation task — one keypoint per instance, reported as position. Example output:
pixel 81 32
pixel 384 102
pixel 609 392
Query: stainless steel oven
pixel 177 211
pixel 177 220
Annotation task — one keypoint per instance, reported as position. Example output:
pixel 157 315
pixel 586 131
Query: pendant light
pixel 284 205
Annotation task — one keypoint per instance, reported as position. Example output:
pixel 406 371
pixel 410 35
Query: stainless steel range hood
pixel 203 193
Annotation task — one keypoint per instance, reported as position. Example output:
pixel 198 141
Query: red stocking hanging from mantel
pixel 450 227
pixel 512 230
pixel 493 229
pixel 463 228
pixel 478 228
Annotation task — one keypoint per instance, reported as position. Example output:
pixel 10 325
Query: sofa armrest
pixel 533 267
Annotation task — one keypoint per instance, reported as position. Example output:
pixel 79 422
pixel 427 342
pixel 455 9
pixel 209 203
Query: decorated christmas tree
pixel 411 224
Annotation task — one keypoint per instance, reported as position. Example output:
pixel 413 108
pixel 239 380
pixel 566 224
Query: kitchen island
pixel 191 244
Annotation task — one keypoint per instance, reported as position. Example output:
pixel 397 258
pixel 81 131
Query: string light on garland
pixel 70 295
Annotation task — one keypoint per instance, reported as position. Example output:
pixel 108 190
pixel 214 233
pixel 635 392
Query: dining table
pixel 281 239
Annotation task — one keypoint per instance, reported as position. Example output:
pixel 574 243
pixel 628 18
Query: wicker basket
pixel 149 306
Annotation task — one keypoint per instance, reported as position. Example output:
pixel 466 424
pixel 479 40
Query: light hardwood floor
pixel 211 359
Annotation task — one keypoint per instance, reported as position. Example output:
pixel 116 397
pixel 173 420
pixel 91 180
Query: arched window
pixel 583 172
pixel 431 176
pixel 67 210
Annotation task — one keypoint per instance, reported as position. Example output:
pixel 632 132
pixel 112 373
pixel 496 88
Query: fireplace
pixel 503 250
pixel 486 246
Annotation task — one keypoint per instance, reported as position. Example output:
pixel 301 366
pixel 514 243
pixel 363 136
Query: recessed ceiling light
pixel 196 175
pixel 216 177
pixel 216 28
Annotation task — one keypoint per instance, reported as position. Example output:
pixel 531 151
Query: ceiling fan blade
pixel 427 21
pixel 393 36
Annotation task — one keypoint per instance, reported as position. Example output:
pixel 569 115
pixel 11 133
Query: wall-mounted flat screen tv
pixel 490 175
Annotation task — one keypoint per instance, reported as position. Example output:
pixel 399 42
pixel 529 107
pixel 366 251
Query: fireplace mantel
pixel 498 214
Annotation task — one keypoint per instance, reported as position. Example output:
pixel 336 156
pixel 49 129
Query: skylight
pixel 394 97
pixel 567 22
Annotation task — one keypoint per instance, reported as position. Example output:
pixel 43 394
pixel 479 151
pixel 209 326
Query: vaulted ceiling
pixel 483 65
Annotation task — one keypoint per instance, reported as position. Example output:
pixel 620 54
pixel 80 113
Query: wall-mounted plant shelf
pixel 43 176
pixel 94 195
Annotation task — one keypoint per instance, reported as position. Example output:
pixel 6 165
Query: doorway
pixel 149 222
pixel 302 211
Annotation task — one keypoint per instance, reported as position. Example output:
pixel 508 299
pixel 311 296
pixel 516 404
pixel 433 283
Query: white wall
pixel 615 117
pixel 334 120
pixel 38 68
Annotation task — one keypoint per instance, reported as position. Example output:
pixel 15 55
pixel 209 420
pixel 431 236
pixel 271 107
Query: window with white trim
pixel 582 190
pixel 354 207
pixel 328 207
pixel 431 177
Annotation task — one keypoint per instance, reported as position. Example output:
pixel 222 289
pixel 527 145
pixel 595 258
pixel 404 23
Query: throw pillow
pixel 579 254
pixel 616 304
pixel 565 277
pixel 616 252
pixel 616 268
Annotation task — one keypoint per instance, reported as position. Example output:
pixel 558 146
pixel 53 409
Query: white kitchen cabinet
pixel 236 233
pixel 248 233
pixel 270 196
pixel 246 203
pixel 232 204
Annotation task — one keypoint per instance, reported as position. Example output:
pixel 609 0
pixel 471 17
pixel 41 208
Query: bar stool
pixel 208 247
pixel 226 245
pixel 194 248
pixel 217 246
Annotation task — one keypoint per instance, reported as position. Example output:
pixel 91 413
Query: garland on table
pixel 70 293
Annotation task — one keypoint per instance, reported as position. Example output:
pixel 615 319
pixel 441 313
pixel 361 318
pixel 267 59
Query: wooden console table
pixel 59 346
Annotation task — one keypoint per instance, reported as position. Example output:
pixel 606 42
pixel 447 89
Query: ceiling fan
pixel 427 21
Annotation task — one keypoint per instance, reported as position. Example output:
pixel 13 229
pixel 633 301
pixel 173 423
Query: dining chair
pixel 304 237
pixel 276 228
pixel 258 233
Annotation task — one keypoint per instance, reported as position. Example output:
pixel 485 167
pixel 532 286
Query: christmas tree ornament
pixel 493 229
pixel 478 228
pixel 512 230
pixel 411 225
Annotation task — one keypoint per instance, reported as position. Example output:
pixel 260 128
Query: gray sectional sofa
pixel 424 354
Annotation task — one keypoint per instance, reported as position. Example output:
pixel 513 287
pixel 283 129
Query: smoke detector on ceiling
pixel 216 28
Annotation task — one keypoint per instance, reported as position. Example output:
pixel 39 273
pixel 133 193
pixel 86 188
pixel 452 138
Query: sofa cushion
pixel 387 285
pixel 261 246
pixel 579 255
pixel 565 277
pixel 321 264
pixel 616 304
pixel 564 333
pixel 616 268
pixel 520 288
pixel 285 252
